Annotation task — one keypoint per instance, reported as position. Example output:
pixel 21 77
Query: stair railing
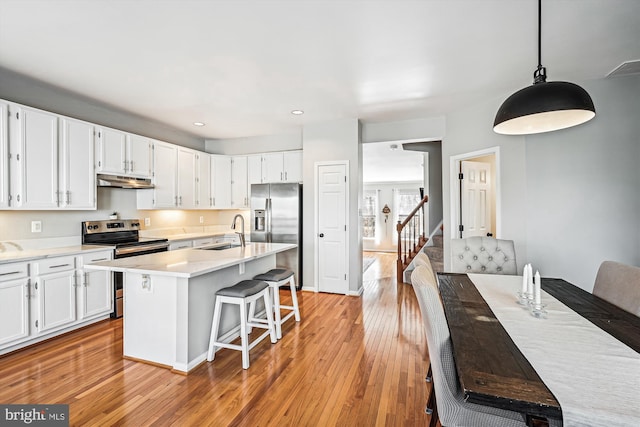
pixel 411 237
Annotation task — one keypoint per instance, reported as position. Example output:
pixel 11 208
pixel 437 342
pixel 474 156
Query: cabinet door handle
pixel 180 200
pixel 280 176
pixel 285 175
pixel 124 165
pixel 68 197
pixel 130 165
pixel 59 265
pixel 10 272
pixel 99 259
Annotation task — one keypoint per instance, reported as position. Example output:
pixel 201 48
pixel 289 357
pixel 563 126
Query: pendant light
pixel 543 106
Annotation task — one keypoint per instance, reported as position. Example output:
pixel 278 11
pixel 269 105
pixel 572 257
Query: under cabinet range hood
pixel 116 181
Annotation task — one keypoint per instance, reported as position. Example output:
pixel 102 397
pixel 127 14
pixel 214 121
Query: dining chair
pixel 423 259
pixel 619 284
pixel 451 406
pixel 483 255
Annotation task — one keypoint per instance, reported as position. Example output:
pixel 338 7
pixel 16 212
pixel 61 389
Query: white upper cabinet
pixel 283 166
pixel 165 161
pixel 112 147
pixel 34 158
pixel 77 179
pixel 4 155
pixel 186 179
pixel 122 153
pixel 255 169
pixel 220 182
pixel 239 183
pixel 139 155
pixel 174 178
pixel 203 181
pixel 292 166
pixel 52 161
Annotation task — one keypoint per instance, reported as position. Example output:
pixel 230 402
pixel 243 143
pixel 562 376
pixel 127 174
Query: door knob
pixel 321 234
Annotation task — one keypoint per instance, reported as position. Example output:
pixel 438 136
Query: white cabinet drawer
pixel 14 271
pixel 180 245
pixel 96 257
pixel 203 242
pixel 53 265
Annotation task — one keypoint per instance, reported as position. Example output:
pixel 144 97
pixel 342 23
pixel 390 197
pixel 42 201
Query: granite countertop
pixel 191 262
pixel 32 254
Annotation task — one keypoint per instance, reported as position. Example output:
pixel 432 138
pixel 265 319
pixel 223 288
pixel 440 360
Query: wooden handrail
pixel 413 243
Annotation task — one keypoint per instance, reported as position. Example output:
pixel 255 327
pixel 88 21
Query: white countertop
pixel 31 254
pixel 191 233
pixel 191 262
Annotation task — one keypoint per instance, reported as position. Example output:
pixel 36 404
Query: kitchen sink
pixel 223 247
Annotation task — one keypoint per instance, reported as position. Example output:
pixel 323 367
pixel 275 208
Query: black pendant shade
pixel 544 106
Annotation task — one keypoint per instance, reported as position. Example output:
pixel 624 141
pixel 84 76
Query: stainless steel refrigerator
pixel 276 217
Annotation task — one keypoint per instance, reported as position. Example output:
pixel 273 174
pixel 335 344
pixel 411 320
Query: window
pixel 405 201
pixel 369 214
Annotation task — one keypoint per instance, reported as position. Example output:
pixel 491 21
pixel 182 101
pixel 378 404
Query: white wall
pixel 569 198
pixel 255 144
pixel 338 140
pixel 425 129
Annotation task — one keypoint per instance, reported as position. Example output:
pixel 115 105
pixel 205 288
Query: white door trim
pixel 454 188
pixel 347 207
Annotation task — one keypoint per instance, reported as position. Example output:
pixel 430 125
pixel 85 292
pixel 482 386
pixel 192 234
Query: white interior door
pixel 331 205
pixel 476 199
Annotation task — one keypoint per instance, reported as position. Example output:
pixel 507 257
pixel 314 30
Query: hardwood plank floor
pixel 350 361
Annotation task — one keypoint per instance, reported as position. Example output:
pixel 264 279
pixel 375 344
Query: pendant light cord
pixel 540 75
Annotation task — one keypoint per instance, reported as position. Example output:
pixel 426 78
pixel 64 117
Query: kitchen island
pixel 169 299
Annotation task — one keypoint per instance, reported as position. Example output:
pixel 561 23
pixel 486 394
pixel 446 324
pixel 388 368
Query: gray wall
pixel 569 199
pixel 34 93
pixel 583 185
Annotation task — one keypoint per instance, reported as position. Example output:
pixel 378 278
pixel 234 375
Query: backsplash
pixel 16 225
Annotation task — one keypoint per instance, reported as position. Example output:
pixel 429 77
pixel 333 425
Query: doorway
pixel 475 194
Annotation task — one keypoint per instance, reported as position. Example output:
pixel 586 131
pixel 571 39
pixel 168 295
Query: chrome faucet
pixel 241 232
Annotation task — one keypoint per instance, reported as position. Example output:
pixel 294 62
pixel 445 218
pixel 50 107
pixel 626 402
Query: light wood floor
pixel 350 362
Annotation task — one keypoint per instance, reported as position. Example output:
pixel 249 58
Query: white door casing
pixel 332 207
pixel 476 199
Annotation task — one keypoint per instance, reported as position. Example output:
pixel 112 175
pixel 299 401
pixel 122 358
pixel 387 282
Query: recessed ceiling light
pixel 297 112
pixel 198 124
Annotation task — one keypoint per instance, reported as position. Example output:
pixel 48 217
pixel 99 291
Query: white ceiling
pixel 242 66
pixel 384 163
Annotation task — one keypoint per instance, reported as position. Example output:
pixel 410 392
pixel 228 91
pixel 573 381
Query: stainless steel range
pixel 124 235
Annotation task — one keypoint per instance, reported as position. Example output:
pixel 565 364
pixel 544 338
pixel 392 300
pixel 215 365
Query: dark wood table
pixel 491 369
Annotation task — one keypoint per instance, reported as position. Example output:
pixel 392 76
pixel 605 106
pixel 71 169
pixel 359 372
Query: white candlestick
pixel 530 281
pixel 525 275
pixel 537 288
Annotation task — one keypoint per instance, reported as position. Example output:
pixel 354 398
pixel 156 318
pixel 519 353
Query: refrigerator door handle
pixel 267 205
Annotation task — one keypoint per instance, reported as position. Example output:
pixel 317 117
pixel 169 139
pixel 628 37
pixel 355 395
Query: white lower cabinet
pixel 14 303
pixel 56 298
pixel 54 292
pixel 51 296
pixel 96 289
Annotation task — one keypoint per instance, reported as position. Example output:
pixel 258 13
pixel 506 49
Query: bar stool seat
pixel 241 294
pixel 275 278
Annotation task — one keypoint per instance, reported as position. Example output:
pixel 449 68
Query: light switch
pixel 36 226
pixel 147 222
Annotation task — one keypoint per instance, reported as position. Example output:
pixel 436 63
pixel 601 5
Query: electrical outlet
pixel 201 220
pixel 36 226
pixel 147 222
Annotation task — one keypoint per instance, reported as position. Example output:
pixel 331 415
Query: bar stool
pixel 246 291
pixel 275 278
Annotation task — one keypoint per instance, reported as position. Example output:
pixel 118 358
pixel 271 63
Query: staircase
pixel 434 251
pixel 411 237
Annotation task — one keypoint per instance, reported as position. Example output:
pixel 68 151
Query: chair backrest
pixel 620 285
pixel 423 259
pixel 483 255
pixel 445 378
